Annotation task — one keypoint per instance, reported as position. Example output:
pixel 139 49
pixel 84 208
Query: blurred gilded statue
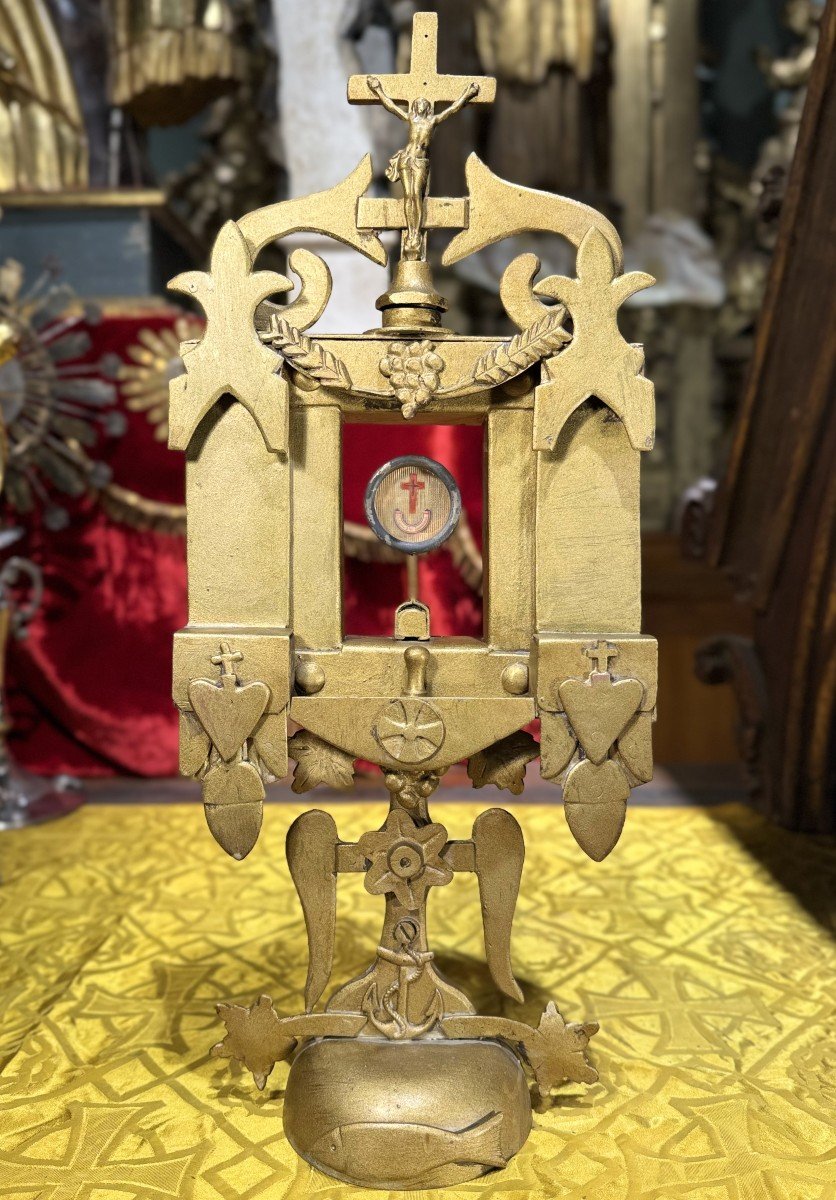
pixel 165 63
pixel 43 145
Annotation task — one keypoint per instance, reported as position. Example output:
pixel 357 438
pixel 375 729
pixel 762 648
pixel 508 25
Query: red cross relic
pixel 413 485
pixel 433 509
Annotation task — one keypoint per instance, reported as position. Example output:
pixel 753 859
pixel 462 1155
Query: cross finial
pixel 226 658
pixel 423 78
pixel 601 653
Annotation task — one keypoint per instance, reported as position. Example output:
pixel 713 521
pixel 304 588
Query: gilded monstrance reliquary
pixel 397 1082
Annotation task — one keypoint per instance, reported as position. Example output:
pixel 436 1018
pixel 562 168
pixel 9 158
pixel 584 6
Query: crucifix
pixel 423 78
pixel 396 1082
pixel 225 659
pixel 420 90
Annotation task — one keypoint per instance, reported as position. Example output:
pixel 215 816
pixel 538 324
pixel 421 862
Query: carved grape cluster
pixel 414 371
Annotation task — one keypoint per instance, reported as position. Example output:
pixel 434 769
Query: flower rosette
pixel 405 860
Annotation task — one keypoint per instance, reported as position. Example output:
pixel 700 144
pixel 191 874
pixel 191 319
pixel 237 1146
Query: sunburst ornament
pixel 154 360
pixel 54 408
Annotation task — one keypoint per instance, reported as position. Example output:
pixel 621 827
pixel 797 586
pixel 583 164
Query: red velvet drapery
pixel 90 687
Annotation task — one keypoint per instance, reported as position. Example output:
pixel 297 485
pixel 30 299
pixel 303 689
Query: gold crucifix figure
pixel 419 91
pixel 411 165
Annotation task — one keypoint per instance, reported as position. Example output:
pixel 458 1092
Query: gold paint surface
pixel 566 412
pixel 459 666
pixel 587 540
pixel 598 361
pixel 440 212
pixel 317 562
pixel 266 657
pixel 560 657
pixel 511 500
pixel 499 210
pixel 412 619
pixel 423 78
pixel 439 731
pixel 238 561
pixel 488 1080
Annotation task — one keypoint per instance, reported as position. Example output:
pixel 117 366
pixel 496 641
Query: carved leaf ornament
pixel 559 1052
pixel 254 1038
pixel 318 762
pixel 504 763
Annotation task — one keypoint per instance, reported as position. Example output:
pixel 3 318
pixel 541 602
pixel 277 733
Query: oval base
pixel 405 1115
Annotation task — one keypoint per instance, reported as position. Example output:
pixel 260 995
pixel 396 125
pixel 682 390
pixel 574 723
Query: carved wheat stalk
pixel 306 355
pixel 524 349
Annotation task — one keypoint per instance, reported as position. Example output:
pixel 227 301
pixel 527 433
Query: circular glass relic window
pixel 413 504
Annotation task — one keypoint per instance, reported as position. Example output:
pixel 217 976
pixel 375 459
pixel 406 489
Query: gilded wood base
pixel 368 1110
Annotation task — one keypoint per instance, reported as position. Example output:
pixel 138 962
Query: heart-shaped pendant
pixel 194 744
pixel 557 745
pixel 636 747
pixel 229 712
pixel 599 709
pixel 232 802
pixel 595 803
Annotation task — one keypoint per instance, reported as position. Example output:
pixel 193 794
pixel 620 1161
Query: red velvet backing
pixel 90 687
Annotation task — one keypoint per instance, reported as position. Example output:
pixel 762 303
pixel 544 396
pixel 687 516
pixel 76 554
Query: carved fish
pixel 391 1154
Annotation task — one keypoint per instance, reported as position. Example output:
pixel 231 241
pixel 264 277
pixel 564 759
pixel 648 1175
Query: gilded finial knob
pixel 310 677
pixel 515 679
pixel 417 659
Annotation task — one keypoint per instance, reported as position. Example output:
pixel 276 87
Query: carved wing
pixel 499 209
pixel 500 852
pixel 311 849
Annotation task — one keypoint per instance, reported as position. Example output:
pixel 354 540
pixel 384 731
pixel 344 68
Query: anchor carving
pixel 411 964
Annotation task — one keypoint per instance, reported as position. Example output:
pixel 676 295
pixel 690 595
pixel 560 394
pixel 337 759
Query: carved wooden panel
pixel 775 520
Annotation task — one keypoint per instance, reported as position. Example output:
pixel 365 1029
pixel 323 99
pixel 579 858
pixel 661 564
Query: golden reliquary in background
pixel 438 1094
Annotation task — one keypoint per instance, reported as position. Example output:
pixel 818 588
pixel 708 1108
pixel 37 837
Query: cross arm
pixel 459 856
pixel 440 89
pixel 440 212
pixel 385 99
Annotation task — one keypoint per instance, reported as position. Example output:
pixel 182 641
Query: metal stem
pixel 413 589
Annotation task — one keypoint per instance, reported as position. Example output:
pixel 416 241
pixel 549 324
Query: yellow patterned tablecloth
pixel 704 945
